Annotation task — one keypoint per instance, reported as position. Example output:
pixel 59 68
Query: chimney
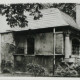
pixel 78 14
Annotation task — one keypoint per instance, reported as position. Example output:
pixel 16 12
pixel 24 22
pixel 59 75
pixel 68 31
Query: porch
pixel 46 47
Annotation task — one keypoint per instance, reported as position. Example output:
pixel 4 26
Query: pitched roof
pixel 69 20
pixel 52 17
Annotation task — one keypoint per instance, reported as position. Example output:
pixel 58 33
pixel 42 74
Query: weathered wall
pixel 59 44
pixel 44 43
pixel 7 43
pixel 44 46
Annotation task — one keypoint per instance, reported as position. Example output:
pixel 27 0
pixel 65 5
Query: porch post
pixel 54 50
pixel 67 46
pixel 25 47
pixel 0 53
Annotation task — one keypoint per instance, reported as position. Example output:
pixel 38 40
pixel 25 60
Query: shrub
pixel 6 70
pixel 66 71
pixel 78 70
pixel 36 69
pixel 6 66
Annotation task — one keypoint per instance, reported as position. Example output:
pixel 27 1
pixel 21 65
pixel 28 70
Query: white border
pixel 38 78
pixel 38 1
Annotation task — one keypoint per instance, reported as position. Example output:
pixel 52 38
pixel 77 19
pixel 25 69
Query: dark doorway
pixel 75 47
pixel 30 46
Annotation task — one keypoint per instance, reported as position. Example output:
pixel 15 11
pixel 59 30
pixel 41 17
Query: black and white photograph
pixel 40 39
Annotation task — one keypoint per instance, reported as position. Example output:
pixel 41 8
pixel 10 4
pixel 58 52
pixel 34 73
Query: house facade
pixel 53 38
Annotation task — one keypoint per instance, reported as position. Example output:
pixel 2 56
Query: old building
pixel 45 41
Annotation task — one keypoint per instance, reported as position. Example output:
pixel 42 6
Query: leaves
pixel 36 69
pixel 67 8
pixel 15 13
pixel 66 71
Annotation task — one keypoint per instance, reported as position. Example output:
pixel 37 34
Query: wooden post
pixel 0 53
pixel 54 51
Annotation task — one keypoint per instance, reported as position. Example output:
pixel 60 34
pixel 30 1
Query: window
pixel 30 46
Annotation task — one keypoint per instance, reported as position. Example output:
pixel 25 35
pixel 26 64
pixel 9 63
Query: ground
pixel 15 75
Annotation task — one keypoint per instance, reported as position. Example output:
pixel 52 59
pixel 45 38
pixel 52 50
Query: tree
pixel 15 12
pixel 68 8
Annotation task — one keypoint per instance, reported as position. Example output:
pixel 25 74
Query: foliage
pixel 15 12
pixel 6 66
pixel 14 49
pixel 36 70
pixel 68 8
pixel 11 48
pixel 65 71
pixel 78 70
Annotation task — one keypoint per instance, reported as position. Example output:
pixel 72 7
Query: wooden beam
pixel 54 41
pixel 58 33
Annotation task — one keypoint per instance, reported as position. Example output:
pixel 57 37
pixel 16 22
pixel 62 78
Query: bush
pixel 36 69
pixel 78 70
pixel 6 70
pixel 65 71
pixel 6 66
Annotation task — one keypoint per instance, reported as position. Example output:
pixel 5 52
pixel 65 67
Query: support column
pixel 67 47
pixel 0 53
pixel 54 42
